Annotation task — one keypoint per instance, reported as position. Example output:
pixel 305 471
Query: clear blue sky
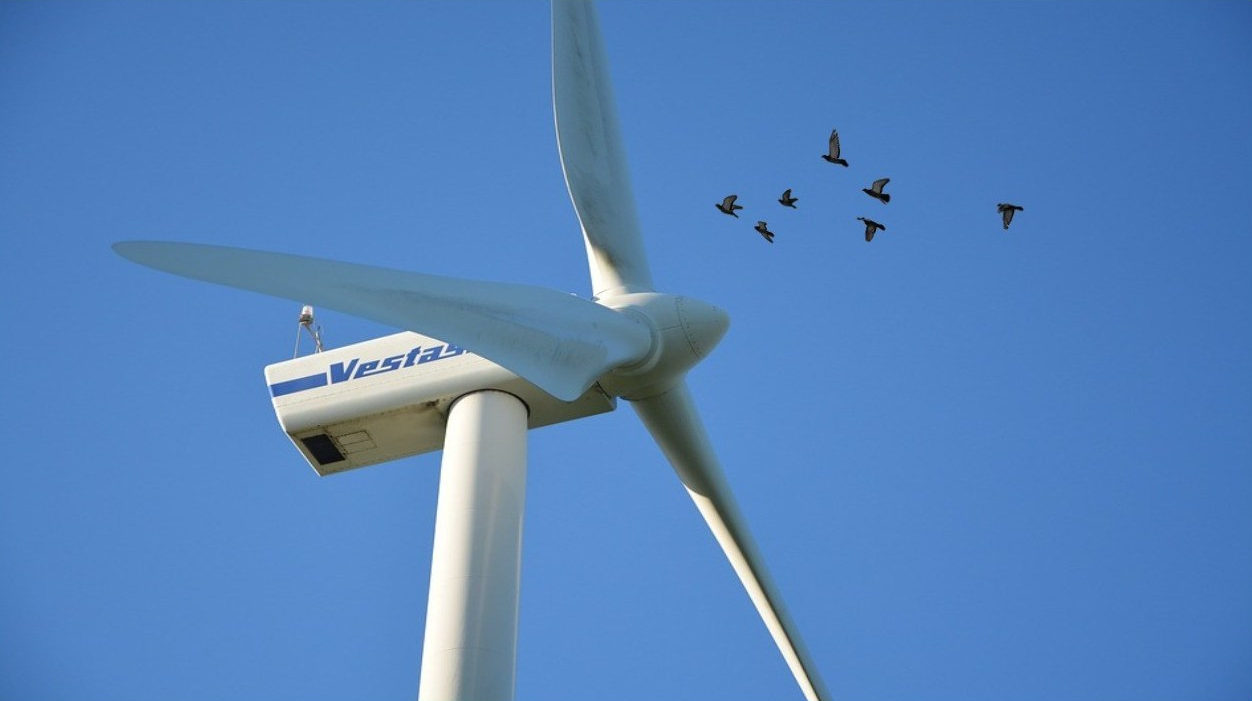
pixel 981 464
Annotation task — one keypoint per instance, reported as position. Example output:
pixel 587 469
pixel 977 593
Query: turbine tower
pixel 482 362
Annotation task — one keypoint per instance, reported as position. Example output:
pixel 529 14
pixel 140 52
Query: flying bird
pixel 728 206
pixel 764 231
pixel 832 155
pixel 1006 212
pixel 871 227
pixel 787 200
pixel 876 192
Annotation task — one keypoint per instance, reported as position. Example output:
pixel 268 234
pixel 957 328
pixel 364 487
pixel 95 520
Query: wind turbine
pixel 510 357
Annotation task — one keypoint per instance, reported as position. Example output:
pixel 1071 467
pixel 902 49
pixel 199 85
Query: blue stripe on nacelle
pixel 299 384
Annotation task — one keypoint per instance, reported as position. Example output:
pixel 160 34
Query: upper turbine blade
pixel 557 341
pixel 672 420
pixel 591 150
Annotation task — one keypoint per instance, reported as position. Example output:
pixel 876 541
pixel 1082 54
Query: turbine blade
pixel 592 157
pixel 557 341
pixel 672 420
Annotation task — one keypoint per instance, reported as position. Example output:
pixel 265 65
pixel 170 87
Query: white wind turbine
pixel 535 356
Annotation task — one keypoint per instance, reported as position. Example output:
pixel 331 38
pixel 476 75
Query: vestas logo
pixel 356 368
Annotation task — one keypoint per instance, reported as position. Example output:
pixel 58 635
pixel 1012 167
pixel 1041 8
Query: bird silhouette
pixel 876 192
pixel 1006 212
pixel 764 231
pixel 728 206
pixel 832 155
pixel 787 200
pixel 871 227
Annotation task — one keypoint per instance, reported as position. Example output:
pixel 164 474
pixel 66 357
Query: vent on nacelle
pixel 323 449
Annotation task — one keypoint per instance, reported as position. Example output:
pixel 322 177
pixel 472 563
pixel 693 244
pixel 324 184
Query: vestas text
pixel 357 368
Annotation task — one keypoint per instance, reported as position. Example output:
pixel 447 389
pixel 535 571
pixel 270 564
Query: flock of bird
pixel 728 206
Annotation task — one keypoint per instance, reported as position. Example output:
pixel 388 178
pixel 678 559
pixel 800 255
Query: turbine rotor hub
pixel 684 331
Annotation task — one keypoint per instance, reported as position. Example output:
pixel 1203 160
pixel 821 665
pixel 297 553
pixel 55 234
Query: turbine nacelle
pixel 684 331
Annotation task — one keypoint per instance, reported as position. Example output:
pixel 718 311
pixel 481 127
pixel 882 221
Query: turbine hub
pixel 684 331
